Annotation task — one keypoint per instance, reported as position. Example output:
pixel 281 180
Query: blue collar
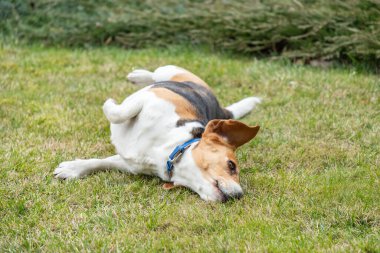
pixel 176 154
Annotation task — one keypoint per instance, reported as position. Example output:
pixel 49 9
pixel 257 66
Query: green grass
pixel 311 176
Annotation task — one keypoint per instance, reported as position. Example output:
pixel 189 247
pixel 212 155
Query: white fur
pixel 243 107
pixel 130 107
pixel 143 145
pixel 81 168
pixel 141 77
pixel 144 133
pixel 145 77
pixel 167 72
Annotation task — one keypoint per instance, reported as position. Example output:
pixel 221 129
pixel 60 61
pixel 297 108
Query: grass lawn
pixel 311 176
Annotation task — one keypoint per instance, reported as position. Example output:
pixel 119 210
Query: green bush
pixel 297 29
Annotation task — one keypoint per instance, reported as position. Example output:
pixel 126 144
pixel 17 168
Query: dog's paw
pixel 108 107
pixel 251 102
pixel 255 100
pixel 243 107
pixel 109 103
pixel 68 170
pixel 141 77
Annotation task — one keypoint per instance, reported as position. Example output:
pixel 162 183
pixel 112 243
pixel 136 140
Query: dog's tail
pixel 118 114
pixel 243 107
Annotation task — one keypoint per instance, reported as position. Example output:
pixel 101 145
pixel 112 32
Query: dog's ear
pixel 234 132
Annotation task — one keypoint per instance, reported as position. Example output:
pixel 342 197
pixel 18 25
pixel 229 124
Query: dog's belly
pixel 146 140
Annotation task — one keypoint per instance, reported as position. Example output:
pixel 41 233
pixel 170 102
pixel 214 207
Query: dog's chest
pixel 146 140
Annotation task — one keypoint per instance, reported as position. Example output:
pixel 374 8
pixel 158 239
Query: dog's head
pixel 214 172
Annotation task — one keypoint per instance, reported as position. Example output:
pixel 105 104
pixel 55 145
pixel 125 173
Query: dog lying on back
pixel 175 129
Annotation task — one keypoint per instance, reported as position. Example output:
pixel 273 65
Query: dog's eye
pixel 232 166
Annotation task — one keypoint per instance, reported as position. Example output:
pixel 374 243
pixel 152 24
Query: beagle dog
pixel 174 128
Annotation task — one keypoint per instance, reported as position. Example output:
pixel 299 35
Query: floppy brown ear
pixel 236 133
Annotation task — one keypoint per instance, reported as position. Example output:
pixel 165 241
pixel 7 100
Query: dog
pixel 174 128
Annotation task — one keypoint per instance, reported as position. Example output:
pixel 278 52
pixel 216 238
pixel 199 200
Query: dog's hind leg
pixel 243 107
pixel 118 114
pixel 81 168
pixel 141 77
pixel 162 74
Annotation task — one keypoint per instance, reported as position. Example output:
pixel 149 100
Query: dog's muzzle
pixel 228 191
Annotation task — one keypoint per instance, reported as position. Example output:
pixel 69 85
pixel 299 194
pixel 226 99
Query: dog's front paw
pixel 68 170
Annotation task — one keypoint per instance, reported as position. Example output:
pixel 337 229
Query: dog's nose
pixel 238 195
pixel 229 190
pixel 232 195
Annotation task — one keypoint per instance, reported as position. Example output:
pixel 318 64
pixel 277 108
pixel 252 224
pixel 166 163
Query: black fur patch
pixel 205 103
pixel 197 131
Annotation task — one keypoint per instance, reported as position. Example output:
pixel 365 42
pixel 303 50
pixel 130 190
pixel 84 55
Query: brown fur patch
pixel 236 133
pixel 169 186
pixel 212 154
pixel 189 77
pixel 219 141
pixel 182 107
